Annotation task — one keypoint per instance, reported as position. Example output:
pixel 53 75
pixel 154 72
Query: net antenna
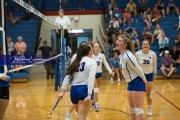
pixel 3 35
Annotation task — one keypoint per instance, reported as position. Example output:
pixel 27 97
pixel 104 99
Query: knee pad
pixel 149 97
pixel 96 90
pixel 138 111
pixel 131 110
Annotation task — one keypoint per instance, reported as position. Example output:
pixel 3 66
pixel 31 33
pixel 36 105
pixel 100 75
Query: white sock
pixel 68 113
pixel 96 103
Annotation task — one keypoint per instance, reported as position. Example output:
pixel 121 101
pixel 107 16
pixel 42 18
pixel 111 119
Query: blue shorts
pixel 78 92
pixel 133 38
pixel 98 75
pixel 136 84
pixel 149 77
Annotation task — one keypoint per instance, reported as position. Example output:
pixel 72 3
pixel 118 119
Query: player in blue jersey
pixel 133 75
pixel 147 60
pixel 83 70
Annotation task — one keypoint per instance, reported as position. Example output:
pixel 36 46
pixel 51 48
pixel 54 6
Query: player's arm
pixel 65 83
pixel 155 64
pixel 131 60
pixel 106 65
pixel 91 78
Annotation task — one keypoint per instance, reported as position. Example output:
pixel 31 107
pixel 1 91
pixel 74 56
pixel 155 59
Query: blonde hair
pixel 127 39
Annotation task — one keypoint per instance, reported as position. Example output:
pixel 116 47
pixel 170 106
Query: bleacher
pixel 167 24
pixel 27 29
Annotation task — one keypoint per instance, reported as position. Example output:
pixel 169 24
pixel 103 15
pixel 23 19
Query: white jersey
pixel 73 58
pixel 84 75
pixel 99 60
pixel 129 66
pixel 148 62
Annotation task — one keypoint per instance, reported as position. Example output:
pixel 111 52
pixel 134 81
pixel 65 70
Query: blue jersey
pixel 2 82
pixel 114 62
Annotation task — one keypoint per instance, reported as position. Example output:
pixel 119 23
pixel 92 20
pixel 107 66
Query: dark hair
pixel 147 41
pixel 174 45
pixel 114 53
pixel 81 52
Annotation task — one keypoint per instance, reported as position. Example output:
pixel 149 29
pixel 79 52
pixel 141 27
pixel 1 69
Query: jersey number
pixel 146 62
pixel 81 67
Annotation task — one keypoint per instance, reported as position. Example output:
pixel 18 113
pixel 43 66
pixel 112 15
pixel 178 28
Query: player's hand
pixel 57 31
pixel 112 74
pixel 88 98
pixel 61 94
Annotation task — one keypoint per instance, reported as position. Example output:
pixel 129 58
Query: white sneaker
pixel 119 80
pixel 96 107
pixel 160 54
pixel 149 112
pixel 67 117
pixel 111 79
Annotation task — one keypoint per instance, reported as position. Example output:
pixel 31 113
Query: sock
pixel 68 113
pixel 150 106
pixel 96 103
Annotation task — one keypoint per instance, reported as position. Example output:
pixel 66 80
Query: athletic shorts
pixel 79 92
pixel 98 75
pixel 4 93
pixel 136 84
pixel 149 77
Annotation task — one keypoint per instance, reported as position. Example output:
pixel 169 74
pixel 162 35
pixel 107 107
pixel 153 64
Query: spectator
pixel 174 54
pixel 177 26
pixel 167 65
pixel 20 45
pixel 147 16
pixel 110 36
pixel 126 16
pixel 143 6
pixel 114 64
pixel 111 7
pixel 17 15
pixel 131 6
pixel 47 52
pixel 130 30
pixel 80 4
pixel 158 32
pixel 28 14
pixel 10 45
pixel 148 34
pixel 163 44
pixel 17 65
pixel 171 8
pixel 115 23
pixel 177 41
pixel 11 19
pixel 160 6
pixel 156 15
pixel 90 41
pixel 62 4
pixel 118 16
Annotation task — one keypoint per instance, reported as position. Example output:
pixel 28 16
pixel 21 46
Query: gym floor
pixel 34 100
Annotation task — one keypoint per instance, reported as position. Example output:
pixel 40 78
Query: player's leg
pixel 4 100
pixel 68 114
pixel 149 78
pixel 96 90
pixel 131 106
pixel 117 72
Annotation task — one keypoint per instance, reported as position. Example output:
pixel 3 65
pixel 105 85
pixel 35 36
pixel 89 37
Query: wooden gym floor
pixel 34 100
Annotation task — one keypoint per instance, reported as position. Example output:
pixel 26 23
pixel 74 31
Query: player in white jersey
pixel 147 60
pixel 71 107
pixel 133 75
pixel 83 70
pixel 100 59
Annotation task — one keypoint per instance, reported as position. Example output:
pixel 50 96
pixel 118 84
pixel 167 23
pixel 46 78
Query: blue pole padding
pixel 57 78
pixel 63 59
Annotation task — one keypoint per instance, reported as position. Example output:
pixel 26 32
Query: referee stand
pixel 60 67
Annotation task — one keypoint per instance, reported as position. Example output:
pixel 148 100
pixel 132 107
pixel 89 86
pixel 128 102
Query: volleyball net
pixel 31 20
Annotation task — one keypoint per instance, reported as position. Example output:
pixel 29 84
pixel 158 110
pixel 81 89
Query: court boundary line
pixel 168 101
pixel 100 108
